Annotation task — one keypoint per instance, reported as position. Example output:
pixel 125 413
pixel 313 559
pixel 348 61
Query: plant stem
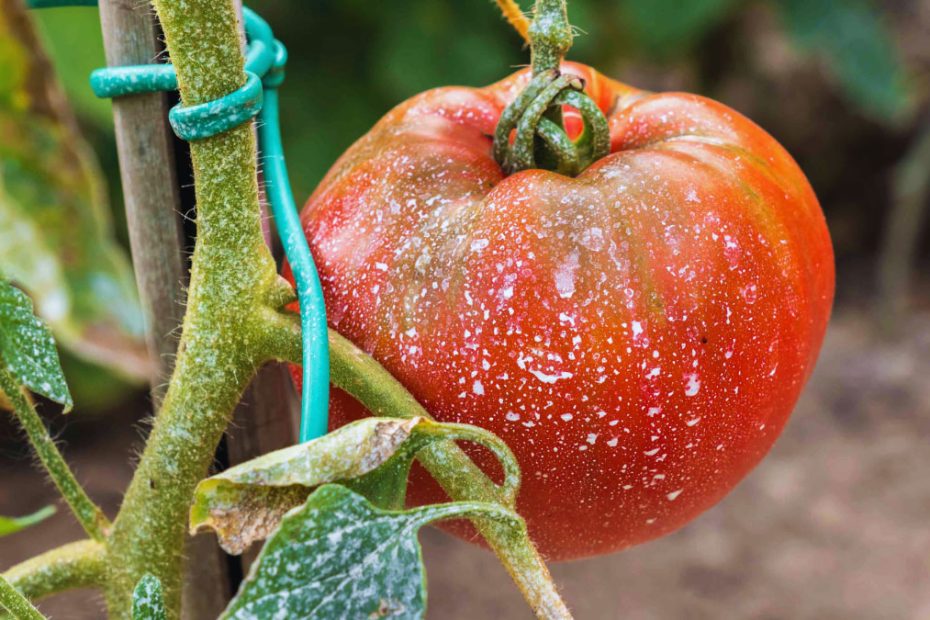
pixel 75 565
pixel 359 374
pixel 87 513
pixel 910 186
pixel 550 35
pixel 16 603
pixel 223 333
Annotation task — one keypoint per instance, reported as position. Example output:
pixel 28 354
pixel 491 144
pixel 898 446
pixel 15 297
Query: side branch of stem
pixel 87 513
pixel 75 565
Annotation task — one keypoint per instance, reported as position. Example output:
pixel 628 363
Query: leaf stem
pixel 87 513
pixel 364 378
pixel 75 565
pixel 16 603
pixel 359 374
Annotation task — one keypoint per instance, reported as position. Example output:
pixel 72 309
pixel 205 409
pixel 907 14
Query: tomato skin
pixel 638 335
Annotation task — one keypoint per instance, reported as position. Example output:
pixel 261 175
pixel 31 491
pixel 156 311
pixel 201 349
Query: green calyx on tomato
pixel 637 334
pixel 531 132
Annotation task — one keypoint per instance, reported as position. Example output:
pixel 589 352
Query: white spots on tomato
pixel 731 251
pixel 612 442
pixel 654 411
pixel 674 495
pixel 637 329
pixel 512 416
pixel 693 421
pixel 591 438
pixel 692 384
pixel 652 452
pixel 546 377
pixel 566 417
pixel 750 293
pixel 479 244
pixel 477 388
pixel 565 275
pixel 593 239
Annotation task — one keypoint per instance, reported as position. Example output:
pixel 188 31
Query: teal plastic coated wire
pixel 265 60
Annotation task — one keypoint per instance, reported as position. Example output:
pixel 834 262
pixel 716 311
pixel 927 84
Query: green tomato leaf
pixel 55 233
pixel 667 27
pixel 74 41
pixel 147 601
pixel 246 503
pixel 859 48
pixel 11 525
pixel 338 557
pixel 27 348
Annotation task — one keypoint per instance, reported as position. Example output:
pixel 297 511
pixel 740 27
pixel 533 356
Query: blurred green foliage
pixel 859 47
pixel 666 28
pixel 72 38
pixel 56 235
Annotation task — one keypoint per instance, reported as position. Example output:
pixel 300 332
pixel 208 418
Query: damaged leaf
pixel 27 348
pixel 373 455
pixel 338 557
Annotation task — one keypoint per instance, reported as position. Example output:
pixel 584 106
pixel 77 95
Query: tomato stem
pixel 535 116
pixel 550 35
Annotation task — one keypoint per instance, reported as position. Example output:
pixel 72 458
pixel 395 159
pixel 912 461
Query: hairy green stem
pixel 87 513
pixel 16 603
pixel 75 565
pixel 223 333
pixel 550 35
pixel 359 374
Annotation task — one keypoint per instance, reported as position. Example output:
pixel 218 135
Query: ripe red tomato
pixel 638 335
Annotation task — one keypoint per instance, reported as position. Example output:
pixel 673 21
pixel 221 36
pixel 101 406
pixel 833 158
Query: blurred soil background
pixel 834 522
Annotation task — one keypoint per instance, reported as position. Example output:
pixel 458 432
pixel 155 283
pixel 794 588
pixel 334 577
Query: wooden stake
pixel 150 185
